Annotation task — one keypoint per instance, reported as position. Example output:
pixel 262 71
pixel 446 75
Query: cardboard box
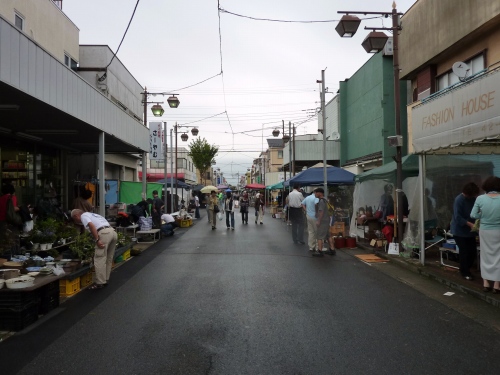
pixel 378 243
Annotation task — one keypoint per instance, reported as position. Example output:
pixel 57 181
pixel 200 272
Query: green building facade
pixel 367 115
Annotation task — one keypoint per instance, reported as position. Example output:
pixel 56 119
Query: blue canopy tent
pixel 180 184
pixel 314 177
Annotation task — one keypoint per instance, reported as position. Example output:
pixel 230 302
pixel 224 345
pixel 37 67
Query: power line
pixel 285 21
pixel 123 38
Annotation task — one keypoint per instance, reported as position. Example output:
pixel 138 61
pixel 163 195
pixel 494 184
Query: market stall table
pixel 21 307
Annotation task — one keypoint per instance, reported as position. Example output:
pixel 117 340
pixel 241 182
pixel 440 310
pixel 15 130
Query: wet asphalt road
pixel 249 301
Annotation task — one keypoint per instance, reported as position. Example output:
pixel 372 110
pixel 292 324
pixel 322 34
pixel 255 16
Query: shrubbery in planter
pixel 83 246
pixel 123 240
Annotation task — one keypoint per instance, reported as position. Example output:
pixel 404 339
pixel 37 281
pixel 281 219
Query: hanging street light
pixel 194 132
pixel 157 110
pixel 184 137
pixel 173 101
pixel 375 42
pixel 348 25
pixel 276 132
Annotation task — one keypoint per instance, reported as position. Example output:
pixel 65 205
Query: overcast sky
pixel 269 68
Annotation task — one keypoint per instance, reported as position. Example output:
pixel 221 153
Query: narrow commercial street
pixel 249 301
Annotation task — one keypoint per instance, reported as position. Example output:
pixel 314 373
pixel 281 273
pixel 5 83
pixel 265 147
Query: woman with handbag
pixel 213 208
pixel 244 204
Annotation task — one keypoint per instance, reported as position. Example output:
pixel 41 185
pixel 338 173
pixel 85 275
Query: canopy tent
pixel 179 183
pixel 222 187
pixel 387 172
pixel 131 192
pixel 313 176
pixel 277 186
pixel 197 187
pixel 445 176
pixel 255 186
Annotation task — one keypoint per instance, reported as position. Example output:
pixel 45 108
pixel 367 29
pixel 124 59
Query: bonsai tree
pixel 47 229
pixel 83 246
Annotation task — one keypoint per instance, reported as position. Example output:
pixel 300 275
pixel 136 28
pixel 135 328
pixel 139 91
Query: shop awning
pixel 152 177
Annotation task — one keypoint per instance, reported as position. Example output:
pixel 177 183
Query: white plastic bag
pixel 58 270
pixel 219 215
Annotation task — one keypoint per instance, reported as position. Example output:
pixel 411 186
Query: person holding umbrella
pixel 213 208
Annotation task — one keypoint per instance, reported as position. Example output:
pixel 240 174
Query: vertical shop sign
pixel 156 141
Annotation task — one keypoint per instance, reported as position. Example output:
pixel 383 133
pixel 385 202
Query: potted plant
pixel 83 246
pixel 66 233
pixel 47 229
pixel 35 236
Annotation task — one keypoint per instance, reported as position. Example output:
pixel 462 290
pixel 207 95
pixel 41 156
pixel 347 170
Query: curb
pixel 423 271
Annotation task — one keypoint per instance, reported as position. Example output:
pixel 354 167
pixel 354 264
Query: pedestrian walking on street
pixel 461 228
pixel 309 205
pixel 259 208
pixel 105 243
pixel 487 209
pixel 244 205
pixel 229 209
pixel 322 220
pixel 296 214
pixel 213 208
pixel 196 206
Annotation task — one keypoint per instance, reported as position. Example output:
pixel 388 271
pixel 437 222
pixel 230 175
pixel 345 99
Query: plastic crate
pixel 69 287
pixel 18 320
pixel 17 301
pixel 126 254
pixel 49 297
pixel 85 280
pixel 186 223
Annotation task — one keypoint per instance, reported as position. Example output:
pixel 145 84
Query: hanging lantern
pixel 173 102
pixel 184 137
pixel 286 138
pixel 348 26
pixel 375 42
pixel 276 132
pixel 194 132
pixel 157 110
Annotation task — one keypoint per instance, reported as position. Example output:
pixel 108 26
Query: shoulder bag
pixel 11 216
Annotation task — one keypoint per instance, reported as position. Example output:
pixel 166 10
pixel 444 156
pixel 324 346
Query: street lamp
pixel 184 138
pixel 375 42
pixel 158 111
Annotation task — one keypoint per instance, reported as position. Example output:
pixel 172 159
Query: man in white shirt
pixel 168 224
pixel 309 204
pixel 296 215
pixel 105 243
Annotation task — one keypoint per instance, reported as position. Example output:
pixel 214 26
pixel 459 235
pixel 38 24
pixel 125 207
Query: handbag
pixel 11 216
pixel 216 208
pixel 378 214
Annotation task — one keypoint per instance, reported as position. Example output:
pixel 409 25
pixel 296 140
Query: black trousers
pixel 244 216
pixel 467 253
pixel 297 219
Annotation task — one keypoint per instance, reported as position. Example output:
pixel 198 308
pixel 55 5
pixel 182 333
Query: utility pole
pixel 290 148
pixel 293 165
pixel 283 135
pixel 323 130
